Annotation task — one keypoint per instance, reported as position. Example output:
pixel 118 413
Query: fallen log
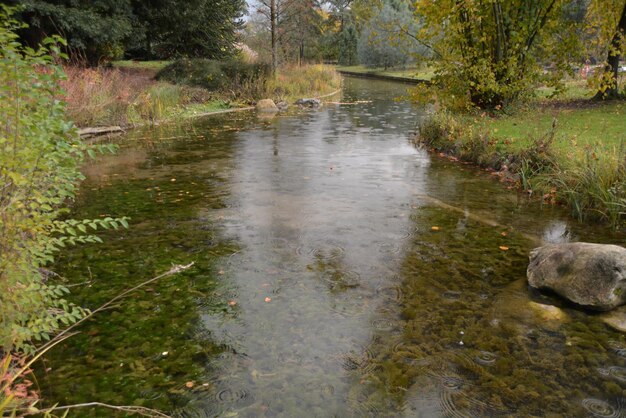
pixel 100 130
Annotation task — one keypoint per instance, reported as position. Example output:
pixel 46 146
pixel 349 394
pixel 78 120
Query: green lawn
pixel 411 72
pixel 601 127
pixel 141 65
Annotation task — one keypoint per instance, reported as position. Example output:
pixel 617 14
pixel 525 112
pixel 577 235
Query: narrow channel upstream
pixel 340 271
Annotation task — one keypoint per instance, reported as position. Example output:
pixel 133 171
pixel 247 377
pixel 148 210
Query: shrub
pixel 40 156
pixel 235 77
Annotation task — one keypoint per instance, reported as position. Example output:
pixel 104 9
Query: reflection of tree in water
pixel 470 343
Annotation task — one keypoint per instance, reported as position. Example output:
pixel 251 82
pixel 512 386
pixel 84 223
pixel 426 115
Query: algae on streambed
pixel 320 286
pixel 470 344
pixel 145 353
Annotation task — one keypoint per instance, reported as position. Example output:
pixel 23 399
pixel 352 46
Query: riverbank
pixel 408 75
pixel 128 94
pixel 565 152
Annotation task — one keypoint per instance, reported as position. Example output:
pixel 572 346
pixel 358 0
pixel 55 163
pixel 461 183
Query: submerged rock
pixel 514 309
pixel 590 275
pixel 548 312
pixel 309 102
pixel 616 319
pixel 266 105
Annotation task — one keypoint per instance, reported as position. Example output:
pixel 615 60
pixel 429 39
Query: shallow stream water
pixel 339 271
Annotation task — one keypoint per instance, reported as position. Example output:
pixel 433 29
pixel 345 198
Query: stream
pixel 340 271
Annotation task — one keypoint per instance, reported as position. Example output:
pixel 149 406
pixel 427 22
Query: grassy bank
pixel 141 65
pixel 105 96
pixel 414 73
pixel 128 93
pixel 566 152
pixel 249 82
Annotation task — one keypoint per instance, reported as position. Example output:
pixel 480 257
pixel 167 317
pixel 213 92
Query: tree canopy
pixel 99 30
pixel 492 52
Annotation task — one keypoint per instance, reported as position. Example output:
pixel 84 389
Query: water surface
pixel 340 271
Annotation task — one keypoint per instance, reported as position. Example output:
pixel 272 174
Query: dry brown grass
pixel 102 96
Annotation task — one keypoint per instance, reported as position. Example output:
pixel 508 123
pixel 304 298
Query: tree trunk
pixel 273 28
pixel 612 62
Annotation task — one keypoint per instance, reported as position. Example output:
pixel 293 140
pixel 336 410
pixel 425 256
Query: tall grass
pixel 295 82
pixel 105 96
pixel 101 96
pixel 596 187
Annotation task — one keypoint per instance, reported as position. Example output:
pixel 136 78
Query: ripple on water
pixel 360 360
pixel 617 347
pixel 361 406
pixel 451 295
pixel 208 403
pixel 349 307
pixel 452 383
pixel 383 324
pixel 454 374
pixel 214 299
pixel 485 358
pixel 600 408
pixel 343 278
pixel 323 251
pixel 616 372
pixel 150 394
pixel 391 292
pixel 409 354
pixel 232 395
pixel 389 248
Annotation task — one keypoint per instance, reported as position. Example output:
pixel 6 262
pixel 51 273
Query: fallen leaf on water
pixel 268 300
pixel 503 248
pixel 434 228
pixel 189 384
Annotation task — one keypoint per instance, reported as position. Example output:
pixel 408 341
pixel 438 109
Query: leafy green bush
pixel 40 156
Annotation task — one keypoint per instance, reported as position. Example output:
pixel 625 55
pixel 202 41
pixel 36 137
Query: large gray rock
pixel 266 105
pixel 590 275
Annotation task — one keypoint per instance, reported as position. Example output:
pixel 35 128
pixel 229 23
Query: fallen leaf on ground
pixel 232 303
pixel 434 228
pixel 268 300
pixel 503 248
pixel 189 384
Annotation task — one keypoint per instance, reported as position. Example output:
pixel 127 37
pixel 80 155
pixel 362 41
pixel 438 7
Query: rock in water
pixel 590 275
pixel 266 105
pixel 309 102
